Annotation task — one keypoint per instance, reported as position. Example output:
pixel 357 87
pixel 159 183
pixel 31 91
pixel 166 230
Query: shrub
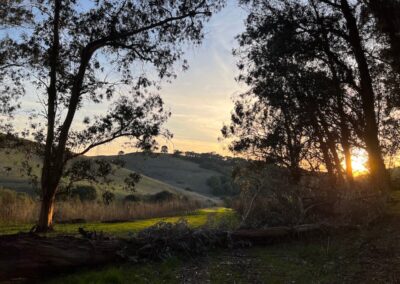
pixel 108 197
pixel 162 196
pixel 268 198
pixel 84 193
pixel 222 186
pixel 132 198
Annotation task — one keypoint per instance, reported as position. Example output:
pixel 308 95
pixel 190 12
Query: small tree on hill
pixel 164 149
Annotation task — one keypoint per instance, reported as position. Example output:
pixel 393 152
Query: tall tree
pixel 368 97
pixel 68 54
pixel 330 37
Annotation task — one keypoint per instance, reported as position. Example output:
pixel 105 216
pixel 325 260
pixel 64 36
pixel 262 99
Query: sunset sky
pixel 200 98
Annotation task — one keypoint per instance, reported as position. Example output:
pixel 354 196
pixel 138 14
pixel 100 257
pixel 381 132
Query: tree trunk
pixel 45 222
pixel 334 66
pixel 325 153
pixel 330 142
pixel 347 151
pixel 49 181
pixel 344 137
pixel 377 167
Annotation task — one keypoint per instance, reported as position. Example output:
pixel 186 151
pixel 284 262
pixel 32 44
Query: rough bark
pixel 45 222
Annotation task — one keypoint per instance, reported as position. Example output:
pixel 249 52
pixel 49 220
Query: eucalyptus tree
pixel 77 52
pixel 289 114
pixel 336 38
pixel 353 32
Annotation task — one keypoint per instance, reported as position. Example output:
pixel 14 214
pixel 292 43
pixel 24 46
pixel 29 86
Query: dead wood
pixel 32 256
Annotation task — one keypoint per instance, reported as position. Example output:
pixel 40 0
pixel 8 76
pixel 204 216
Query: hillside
pixel 177 171
pixel 12 177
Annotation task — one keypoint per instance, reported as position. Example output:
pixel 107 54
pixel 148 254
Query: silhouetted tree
pixel 303 54
pixel 164 149
pixel 67 55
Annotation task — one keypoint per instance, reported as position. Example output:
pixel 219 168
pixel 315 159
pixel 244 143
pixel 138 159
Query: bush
pixel 222 186
pixel 132 198
pixel 108 197
pixel 162 196
pixel 269 199
pixel 84 193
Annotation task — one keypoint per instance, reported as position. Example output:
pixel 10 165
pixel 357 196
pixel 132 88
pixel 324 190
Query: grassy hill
pixel 176 171
pixel 13 177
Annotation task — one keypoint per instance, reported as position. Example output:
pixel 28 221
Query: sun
pixel 359 160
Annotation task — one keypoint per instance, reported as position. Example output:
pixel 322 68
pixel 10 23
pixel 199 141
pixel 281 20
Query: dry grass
pixel 94 211
pixel 17 208
pixel 21 209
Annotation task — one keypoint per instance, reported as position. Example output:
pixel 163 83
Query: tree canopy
pixel 78 53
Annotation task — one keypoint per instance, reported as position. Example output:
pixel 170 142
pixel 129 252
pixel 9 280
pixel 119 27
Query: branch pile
pixel 30 255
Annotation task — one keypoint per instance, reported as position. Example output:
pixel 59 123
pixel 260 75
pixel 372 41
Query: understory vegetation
pixel 269 198
pixel 348 255
pixel 20 208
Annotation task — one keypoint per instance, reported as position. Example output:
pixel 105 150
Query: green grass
pixel 295 262
pixel 164 272
pixel 171 170
pixel 195 219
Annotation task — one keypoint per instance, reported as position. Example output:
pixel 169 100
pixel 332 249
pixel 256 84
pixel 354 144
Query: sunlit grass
pixel 164 272
pixel 195 219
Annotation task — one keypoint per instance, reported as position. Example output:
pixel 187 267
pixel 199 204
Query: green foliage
pixel 131 181
pixel 84 192
pixel 108 197
pixel 222 186
pixel 132 198
pixel 162 196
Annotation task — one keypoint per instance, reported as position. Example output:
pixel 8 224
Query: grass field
pixel 195 219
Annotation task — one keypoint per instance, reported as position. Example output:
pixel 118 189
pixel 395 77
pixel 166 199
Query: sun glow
pixel 359 160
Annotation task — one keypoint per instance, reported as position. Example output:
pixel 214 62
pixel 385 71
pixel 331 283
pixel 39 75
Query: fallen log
pixel 31 256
